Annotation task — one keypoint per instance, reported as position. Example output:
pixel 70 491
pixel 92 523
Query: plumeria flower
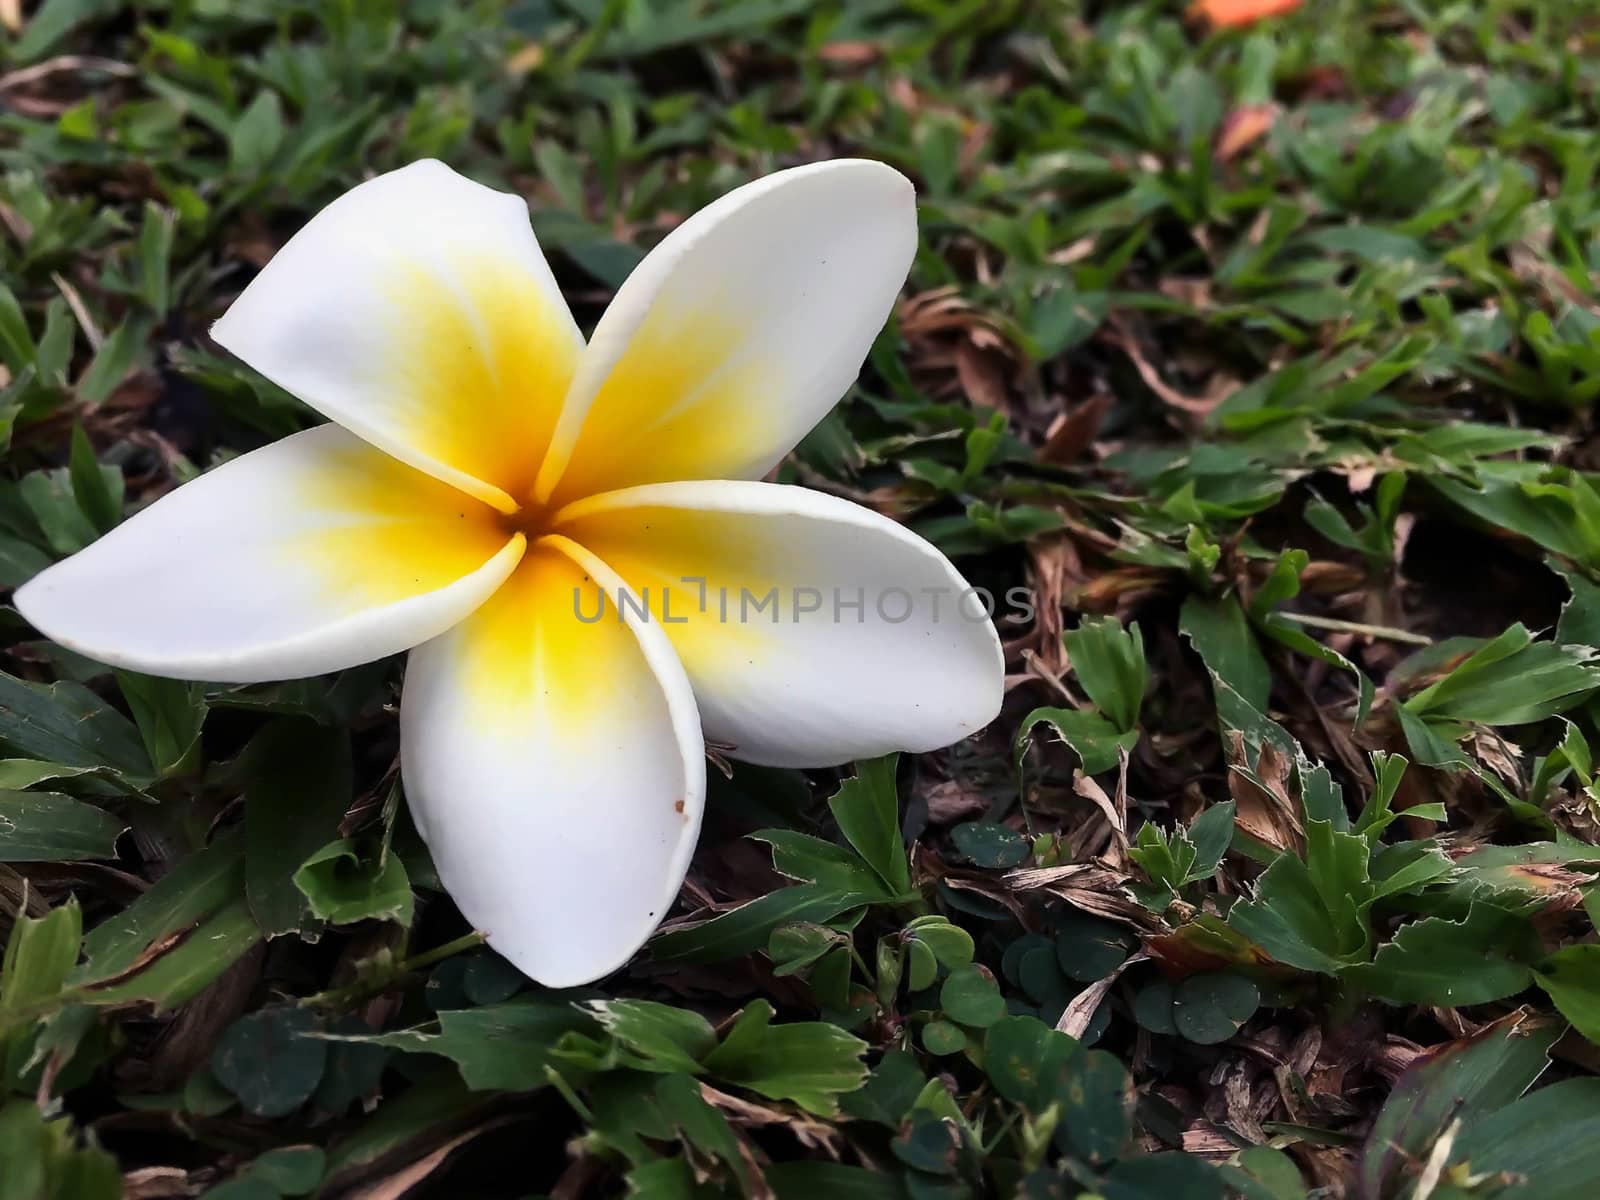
pixel 486 476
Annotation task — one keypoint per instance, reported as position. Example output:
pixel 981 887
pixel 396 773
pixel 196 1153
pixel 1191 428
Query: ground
pixel 1264 354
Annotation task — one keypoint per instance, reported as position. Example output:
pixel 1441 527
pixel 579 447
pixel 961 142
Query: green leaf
pixel 941 1038
pixel 1571 976
pixel 67 723
pixel 343 886
pixel 175 972
pixel 1221 635
pixel 297 783
pixel 1264 1173
pixel 1211 833
pixel 194 888
pixel 950 944
pixel 1088 948
pixel 811 1063
pixel 257 134
pixel 290 1170
pixel 1163 1177
pixel 812 860
pixel 988 844
pixel 1547 1142
pixel 38 958
pixel 48 827
pixel 1469 1078
pixel 1027 1061
pixel 43 1162
pixel 501 1047
pixel 1109 663
pixel 1095 740
pixel 170 715
pixel 868 811
pixel 1313 915
pixel 1213 1006
pixel 698 1124
pixel 1096 1108
pixel 271 1060
pixel 747 928
pixel 660 1037
pixel 806 1180
pixel 99 499
pixel 971 997
pixel 1511 680
pixel 1452 963
pixel 1152 1007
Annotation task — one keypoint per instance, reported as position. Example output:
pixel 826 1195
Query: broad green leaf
pixel 199 885
pixel 500 1047
pixel 1547 1142
pixel 1289 919
pixel 38 958
pixel 99 500
pixel 1511 680
pixel 175 971
pixel 343 885
pixel 67 723
pixel 1467 1079
pixel 1163 1176
pixel 1109 663
pixel 169 714
pixel 1221 635
pixel 1096 1106
pixel 257 134
pixel 1027 1060
pixel 1447 963
pixel 1572 978
pixel 1095 740
pixel 297 783
pixel 659 1037
pixel 48 827
pixel 746 929
pixel 812 860
pixel 806 1180
pixel 867 808
pixel 810 1062
pixel 43 1160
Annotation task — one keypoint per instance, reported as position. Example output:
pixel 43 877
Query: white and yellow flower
pixel 484 467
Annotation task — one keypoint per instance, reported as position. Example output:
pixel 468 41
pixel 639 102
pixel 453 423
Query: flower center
pixel 532 520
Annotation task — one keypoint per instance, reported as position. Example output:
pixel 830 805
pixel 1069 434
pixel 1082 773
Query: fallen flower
pixel 1231 14
pixel 485 468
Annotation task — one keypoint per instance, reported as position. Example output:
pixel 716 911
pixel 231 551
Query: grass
pixel 1265 358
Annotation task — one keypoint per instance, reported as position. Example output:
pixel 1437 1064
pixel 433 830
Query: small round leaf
pixel 941 1038
pixel 922 967
pixel 269 1060
pixel 1040 976
pixel 1096 1108
pixel 1152 1007
pixel 971 997
pixel 1210 1008
pixel 1090 949
pixel 1011 961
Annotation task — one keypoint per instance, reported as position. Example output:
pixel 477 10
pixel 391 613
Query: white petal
pixel 813 679
pixel 417 311
pixel 555 769
pixel 309 555
pixel 738 332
